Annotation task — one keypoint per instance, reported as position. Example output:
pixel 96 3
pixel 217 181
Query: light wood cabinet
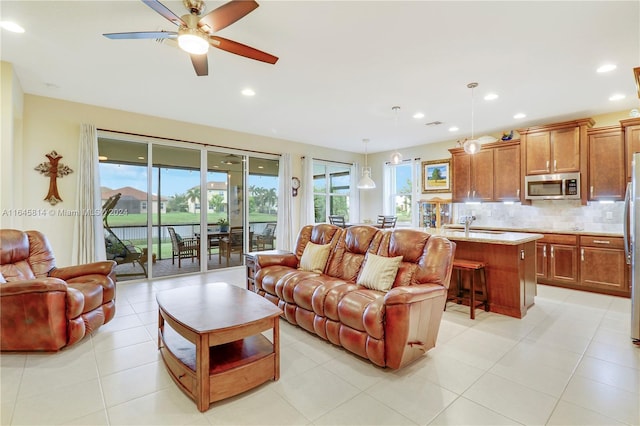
pixel 631 128
pixel 507 183
pixel 605 155
pixel 603 265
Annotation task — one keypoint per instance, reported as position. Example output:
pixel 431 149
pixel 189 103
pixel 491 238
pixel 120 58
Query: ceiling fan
pixel 195 33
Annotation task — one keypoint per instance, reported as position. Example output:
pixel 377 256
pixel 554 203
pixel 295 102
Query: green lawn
pixel 180 218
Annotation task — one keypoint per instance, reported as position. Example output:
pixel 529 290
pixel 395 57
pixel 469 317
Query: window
pixel 401 191
pixel 331 190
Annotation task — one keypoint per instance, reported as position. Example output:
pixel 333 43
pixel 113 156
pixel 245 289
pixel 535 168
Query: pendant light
pixel 471 146
pixel 396 157
pixel 365 181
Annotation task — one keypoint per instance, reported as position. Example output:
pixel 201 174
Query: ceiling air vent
pixel 433 123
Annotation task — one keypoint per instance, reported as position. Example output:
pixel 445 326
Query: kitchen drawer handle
pixel 544 251
pixel 547 164
pixel 591 190
pixel 555 165
pixel 602 242
pixel 582 255
pixel 551 251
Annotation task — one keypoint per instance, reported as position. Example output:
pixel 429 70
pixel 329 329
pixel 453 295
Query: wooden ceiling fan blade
pixel 242 49
pixel 164 11
pixel 141 35
pixel 227 14
pixel 200 64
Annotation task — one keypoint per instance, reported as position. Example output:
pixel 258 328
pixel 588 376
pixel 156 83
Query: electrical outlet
pixel 609 215
pixel 488 213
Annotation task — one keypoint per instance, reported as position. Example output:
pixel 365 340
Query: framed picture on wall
pixel 436 176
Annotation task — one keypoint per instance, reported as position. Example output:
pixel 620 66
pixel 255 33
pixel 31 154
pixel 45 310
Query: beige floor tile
pixel 273 410
pixel 168 406
pixel 450 373
pixel 627 354
pixel 413 397
pixel 99 418
pixel 465 412
pixel 316 392
pixel 363 410
pixel 121 322
pixel 511 399
pixel 134 382
pixel 128 357
pixel 567 414
pixel 356 370
pixel 607 400
pixel 609 373
pixel 65 404
pixel 119 339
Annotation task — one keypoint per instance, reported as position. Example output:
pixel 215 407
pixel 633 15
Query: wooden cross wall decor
pixel 53 169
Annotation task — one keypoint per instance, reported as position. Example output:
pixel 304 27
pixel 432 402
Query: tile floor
pixel 568 362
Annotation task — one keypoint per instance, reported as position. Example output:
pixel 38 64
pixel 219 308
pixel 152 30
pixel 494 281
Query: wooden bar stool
pixel 475 268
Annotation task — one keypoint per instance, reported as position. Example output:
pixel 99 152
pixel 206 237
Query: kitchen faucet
pixel 467 220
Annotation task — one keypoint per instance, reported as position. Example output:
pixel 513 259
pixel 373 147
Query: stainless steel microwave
pixel 558 186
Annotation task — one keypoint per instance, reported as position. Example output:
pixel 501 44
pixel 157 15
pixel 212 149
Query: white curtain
pixel 284 234
pixel 88 238
pixel 307 211
pixel 354 196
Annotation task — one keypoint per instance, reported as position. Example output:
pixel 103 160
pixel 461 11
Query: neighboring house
pixel 214 190
pixel 133 200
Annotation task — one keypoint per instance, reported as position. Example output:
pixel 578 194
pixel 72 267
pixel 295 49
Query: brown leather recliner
pixel 391 329
pixel 44 308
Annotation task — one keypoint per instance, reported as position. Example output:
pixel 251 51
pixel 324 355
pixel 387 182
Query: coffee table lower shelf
pixel 234 367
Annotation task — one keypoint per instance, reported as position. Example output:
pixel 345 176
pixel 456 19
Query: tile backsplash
pixel 552 215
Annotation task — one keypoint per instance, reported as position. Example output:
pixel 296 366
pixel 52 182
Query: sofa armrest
pixel 412 293
pixel 288 259
pixel 105 267
pixel 37 285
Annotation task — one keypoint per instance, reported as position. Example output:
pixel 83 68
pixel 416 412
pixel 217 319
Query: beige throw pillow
pixel 379 272
pixel 314 257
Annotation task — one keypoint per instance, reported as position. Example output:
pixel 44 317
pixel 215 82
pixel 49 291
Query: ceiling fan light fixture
pixel 192 41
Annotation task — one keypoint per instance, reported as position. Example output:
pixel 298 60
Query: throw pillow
pixel 314 257
pixel 379 272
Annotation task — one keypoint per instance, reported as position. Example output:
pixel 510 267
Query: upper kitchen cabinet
pixel 506 158
pixel 491 174
pixel 631 129
pixel 605 155
pixel 554 148
pixel 472 175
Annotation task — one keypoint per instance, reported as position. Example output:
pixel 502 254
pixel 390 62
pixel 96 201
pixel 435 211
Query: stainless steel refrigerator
pixel 632 238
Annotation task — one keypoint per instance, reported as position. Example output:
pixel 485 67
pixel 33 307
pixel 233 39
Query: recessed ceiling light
pixel 11 26
pixel 616 97
pixel 490 96
pixel 141 158
pixel 261 167
pixel 418 115
pixel 248 92
pixel 519 115
pixel 102 158
pixel 606 68
pixel 453 129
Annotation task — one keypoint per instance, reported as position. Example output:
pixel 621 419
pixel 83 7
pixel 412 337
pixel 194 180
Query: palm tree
pixel 193 195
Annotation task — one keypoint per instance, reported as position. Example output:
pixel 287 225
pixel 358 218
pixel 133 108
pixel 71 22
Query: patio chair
pixel 183 248
pixel 337 220
pixel 267 237
pixel 232 243
pixel 122 252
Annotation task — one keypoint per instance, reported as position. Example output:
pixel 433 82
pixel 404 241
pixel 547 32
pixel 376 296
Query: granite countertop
pixel 539 230
pixel 485 236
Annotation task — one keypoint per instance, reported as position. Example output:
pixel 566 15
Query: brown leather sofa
pixel 391 328
pixel 44 308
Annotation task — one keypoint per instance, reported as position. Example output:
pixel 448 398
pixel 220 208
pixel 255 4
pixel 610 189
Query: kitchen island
pixel 511 265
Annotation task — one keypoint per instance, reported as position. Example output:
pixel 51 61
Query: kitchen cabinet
pixel 631 128
pixel 507 183
pixel 435 212
pixel 603 265
pixel 605 153
pixel 557 259
pixel 492 174
pixel 472 177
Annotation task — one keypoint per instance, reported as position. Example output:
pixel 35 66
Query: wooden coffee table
pixel 211 342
